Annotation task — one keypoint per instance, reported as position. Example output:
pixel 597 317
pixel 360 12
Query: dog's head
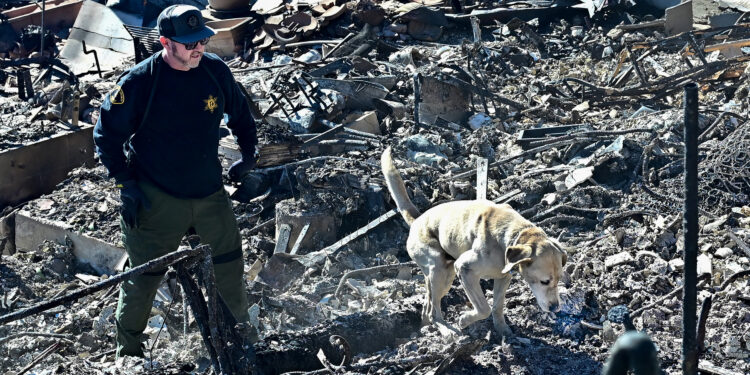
pixel 540 261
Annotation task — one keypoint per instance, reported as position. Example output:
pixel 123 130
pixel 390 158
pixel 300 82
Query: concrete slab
pixel 30 232
pixel 32 170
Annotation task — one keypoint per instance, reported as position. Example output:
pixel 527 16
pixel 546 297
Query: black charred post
pixel 417 96
pixel 690 226
pixel 194 297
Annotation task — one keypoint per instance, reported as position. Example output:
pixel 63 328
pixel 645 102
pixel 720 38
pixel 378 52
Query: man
pixel 158 136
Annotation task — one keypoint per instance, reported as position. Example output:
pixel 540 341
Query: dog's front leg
pixel 498 316
pixel 466 267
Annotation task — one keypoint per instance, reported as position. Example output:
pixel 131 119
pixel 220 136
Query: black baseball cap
pixel 183 23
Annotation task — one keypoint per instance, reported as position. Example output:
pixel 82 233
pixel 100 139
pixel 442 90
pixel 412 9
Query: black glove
pixel 132 197
pixel 241 167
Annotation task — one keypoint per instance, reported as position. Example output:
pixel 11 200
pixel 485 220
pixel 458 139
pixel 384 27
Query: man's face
pixel 187 58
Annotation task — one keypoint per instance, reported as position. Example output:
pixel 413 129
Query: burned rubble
pixel 577 110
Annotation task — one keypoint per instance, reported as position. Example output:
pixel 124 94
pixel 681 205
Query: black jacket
pixel 162 124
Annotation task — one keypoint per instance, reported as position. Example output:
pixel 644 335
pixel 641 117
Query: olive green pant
pixel 159 231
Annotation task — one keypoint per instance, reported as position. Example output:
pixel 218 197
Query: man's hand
pixel 241 167
pixel 132 197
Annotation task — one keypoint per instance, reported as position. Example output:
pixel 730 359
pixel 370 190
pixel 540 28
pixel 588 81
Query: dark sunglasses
pixel 192 45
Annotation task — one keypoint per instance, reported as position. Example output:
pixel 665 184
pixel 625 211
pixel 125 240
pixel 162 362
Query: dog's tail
pixel 397 188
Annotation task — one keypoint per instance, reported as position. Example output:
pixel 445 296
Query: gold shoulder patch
pixel 117 96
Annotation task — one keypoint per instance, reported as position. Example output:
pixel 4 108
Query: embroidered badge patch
pixel 192 21
pixel 117 96
pixel 211 104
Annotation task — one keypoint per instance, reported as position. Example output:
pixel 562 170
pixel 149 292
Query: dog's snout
pixel 554 306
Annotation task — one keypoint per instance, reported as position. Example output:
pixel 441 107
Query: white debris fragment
pixel 618 259
pixel 723 252
pixel 676 264
pixel 578 177
pixel 479 120
pixel 704 265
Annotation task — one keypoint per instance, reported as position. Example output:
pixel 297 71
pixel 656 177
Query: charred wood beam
pixel 592 134
pixel 701 335
pixel 708 368
pixel 732 278
pixel 61 336
pixel 740 243
pixel 158 263
pixel 194 297
pixel 482 92
pixel 417 96
pixel 361 231
pixel 51 349
pixel 218 339
pixel 464 351
pixel 229 353
pixel 668 84
pixel 701 278
pixel 366 333
pixel 552 143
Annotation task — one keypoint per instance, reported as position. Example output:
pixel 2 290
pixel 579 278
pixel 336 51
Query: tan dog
pixel 477 240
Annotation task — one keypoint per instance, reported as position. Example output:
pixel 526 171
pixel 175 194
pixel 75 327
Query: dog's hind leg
pixel 466 267
pixel 442 276
pixel 427 308
pixel 498 317
pixel 447 280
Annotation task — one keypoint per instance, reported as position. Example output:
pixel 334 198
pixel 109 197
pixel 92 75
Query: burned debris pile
pixel 573 112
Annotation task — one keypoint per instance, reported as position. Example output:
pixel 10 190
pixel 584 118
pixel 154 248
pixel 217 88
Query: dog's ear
pixel 517 255
pixel 562 251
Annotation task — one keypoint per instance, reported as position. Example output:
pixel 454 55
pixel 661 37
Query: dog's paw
pixel 466 320
pixel 503 330
pixel 447 330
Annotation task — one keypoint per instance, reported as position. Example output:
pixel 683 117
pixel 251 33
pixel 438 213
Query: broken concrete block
pixel 578 177
pixel 723 252
pixel 280 270
pixel 679 18
pixel 367 122
pixel 676 264
pixel 322 230
pixel 704 265
pixel 618 259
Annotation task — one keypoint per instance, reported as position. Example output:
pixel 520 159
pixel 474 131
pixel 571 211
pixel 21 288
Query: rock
pixel 608 333
pixel 733 348
pixel 659 266
pixel 715 225
pixel 618 259
pixel 87 340
pixel 58 266
pixel 723 252
pixel 653 318
pixel 676 264
pixel 574 331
